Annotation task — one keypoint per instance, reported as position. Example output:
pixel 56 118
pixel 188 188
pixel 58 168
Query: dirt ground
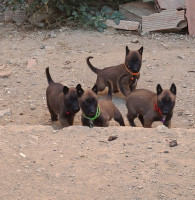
pixel 38 161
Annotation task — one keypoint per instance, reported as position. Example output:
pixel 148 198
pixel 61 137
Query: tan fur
pixel 140 103
pixel 113 73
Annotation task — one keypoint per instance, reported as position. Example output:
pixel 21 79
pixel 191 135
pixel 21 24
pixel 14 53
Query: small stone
pixel 4 112
pixel 166 151
pixel 181 57
pixel 21 154
pixel 32 107
pixel 179 113
pixel 173 143
pixel 140 187
pixel 31 63
pixel 42 46
pixel 5 74
pixel 52 34
pixel 112 138
pixel 149 147
pixel 135 40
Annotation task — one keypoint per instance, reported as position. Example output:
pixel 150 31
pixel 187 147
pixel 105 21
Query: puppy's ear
pixel 141 50
pixel 127 50
pixel 95 89
pixel 173 89
pixel 159 89
pixel 65 90
pixel 80 90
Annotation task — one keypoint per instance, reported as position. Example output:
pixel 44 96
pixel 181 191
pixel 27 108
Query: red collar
pixel 156 108
pixel 130 72
pixel 67 113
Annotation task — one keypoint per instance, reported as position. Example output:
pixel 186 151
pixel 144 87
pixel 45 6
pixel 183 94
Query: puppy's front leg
pixel 63 121
pixel 167 123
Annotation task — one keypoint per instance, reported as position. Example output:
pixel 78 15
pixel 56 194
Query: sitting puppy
pixel 150 107
pixel 61 101
pixel 95 112
pixel 131 67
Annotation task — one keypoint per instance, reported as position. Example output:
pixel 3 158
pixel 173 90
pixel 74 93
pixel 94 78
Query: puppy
pixel 131 67
pixel 61 101
pixel 150 107
pixel 97 113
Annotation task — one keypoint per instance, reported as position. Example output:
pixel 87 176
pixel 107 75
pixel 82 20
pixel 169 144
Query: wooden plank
pixel 169 4
pixel 124 25
pixel 135 10
pixel 190 15
pixel 164 21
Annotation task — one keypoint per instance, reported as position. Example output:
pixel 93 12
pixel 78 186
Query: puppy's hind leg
pixel 54 117
pixel 141 119
pixel 131 118
pixel 101 85
pixel 118 117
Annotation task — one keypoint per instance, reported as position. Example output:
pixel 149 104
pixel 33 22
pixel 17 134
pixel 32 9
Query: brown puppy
pixel 150 107
pixel 131 67
pixel 61 101
pixel 95 112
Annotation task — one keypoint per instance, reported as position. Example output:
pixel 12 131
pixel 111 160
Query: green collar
pixel 96 115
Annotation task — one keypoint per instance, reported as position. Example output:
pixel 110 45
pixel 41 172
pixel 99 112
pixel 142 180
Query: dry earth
pixel 38 161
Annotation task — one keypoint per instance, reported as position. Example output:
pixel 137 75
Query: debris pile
pixel 161 15
pixel 142 15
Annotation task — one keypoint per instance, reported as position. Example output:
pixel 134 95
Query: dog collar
pixel 130 72
pixel 67 113
pixel 156 108
pixel 91 119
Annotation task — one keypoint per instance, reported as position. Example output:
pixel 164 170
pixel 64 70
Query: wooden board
pixel 190 15
pixel 164 21
pixel 135 10
pixel 169 4
pixel 124 25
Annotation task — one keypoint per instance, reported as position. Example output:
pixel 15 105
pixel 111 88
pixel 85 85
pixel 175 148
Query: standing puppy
pixel 150 107
pixel 95 112
pixel 131 67
pixel 61 101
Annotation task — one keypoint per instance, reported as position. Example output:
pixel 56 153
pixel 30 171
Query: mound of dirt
pixel 38 162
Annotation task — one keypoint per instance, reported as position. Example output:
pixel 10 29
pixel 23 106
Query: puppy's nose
pixel 92 113
pixel 76 109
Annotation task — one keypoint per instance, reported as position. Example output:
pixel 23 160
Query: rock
pixel 32 107
pixel 42 46
pixel 52 34
pixel 181 56
pixel 179 113
pixel 149 147
pixel 166 151
pixel 140 187
pixel 5 74
pixel 40 16
pixel 173 143
pixel 21 154
pixel 4 112
pixel 31 63
pixel 112 138
pixel 135 40
pixel 162 129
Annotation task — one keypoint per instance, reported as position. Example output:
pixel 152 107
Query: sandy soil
pixel 78 162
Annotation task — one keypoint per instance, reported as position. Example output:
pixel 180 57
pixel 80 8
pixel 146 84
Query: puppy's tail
pixel 124 90
pixel 49 79
pixel 109 95
pixel 94 69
